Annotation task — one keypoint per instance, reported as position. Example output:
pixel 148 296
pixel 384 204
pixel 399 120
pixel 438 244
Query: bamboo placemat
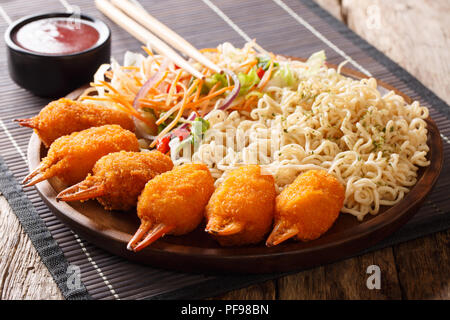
pixel 289 27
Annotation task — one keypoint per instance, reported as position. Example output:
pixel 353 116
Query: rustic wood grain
pixel 261 291
pixel 423 267
pixel 415 34
pixel 344 280
pixel 22 273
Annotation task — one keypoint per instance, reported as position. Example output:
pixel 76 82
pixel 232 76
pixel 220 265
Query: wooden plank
pixel 412 33
pixel 424 267
pixel 22 273
pixel 260 291
pixel 344 280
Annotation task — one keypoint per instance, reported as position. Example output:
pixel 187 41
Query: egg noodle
pixel 303 116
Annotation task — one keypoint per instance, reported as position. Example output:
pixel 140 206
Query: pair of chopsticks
pixel 140 24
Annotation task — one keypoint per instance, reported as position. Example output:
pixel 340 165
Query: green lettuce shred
pixel 247 81
pixel 264 63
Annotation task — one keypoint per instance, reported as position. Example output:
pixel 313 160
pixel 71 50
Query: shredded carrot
pixel 248 65
pixel 215 93
pixel 136 114
pixel 208 97
pixel 199 90
pixel 137 80
pixel 209 50
pixel 248 105
pixel 156 61
pixel 183 87
pixel 203 107
pixel 157 102
pixel 251 66
pixel 205 71
pixel 180 112
pixel 179 94
pixel 126 85
pixel 109 74
pixel 94 98
pixel 157 109
pixel 173 87
pixel 168 113
pixel 188 79
pixel 114 90
pixel 161 80
pixel 129 111
pixel 185 77
pixel 213 89
pixel 120 99
pixel 154 102
pixel 106 84
pixel 171 110
pixel 149 52
pixel 130 68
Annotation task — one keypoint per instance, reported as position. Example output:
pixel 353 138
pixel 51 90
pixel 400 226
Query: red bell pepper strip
pixel 260 72
pixel 163 145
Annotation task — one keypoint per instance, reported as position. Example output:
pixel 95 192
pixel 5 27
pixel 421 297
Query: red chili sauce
pixel 57 36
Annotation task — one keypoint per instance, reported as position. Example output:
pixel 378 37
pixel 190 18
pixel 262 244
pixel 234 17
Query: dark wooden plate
pixel 197 252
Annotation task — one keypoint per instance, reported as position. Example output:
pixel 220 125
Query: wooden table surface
pixel 413 33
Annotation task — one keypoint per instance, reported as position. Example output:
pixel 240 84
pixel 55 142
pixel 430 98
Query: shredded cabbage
pixel 133 59
pixel 100 76
pixel 197 131
pixel 315 62
pixel 247 81
pixel 283 77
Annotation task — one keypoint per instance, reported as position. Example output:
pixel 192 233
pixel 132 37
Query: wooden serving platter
pixel 198 252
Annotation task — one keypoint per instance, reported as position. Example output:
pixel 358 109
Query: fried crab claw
pixel 30 123
pixel 240 211
pixel 64 116
pixel 118 179
pixel 172 203
pixel 215 227
pixel 71 158
pixel 281 233
pixel 307 208
pixel 147 234
pixel 84 190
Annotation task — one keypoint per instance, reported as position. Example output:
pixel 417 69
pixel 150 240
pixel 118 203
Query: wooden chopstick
pixel 145 36
pixel 164 32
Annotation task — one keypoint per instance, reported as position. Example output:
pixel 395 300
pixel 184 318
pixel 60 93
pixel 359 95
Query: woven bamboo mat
pixel 289 27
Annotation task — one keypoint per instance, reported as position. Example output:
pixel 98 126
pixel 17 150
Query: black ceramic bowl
pixel 51 75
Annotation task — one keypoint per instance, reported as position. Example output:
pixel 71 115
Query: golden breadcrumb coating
pixel 308 207
pixel 177 198
pixel 123 175
pixel 240 211
pixel 64 116
pixel 73 156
